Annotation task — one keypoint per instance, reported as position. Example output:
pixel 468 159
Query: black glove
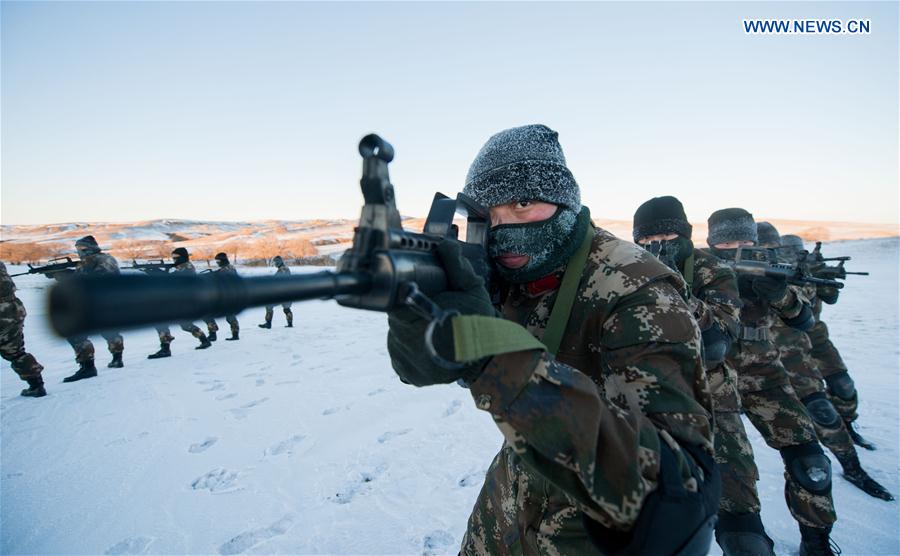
pixel 716 343
pixel 406 333
pixel 828 294
pixel 769 289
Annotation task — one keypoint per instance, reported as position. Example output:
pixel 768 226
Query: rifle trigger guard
pixel 436 316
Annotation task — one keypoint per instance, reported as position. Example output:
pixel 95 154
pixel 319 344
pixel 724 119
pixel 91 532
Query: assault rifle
pixel 52 270
pixel 818 266
pixel 758 261
pixel 387 267
pixel 154 266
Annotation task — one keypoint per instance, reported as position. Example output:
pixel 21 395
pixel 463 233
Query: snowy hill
pixel 303 440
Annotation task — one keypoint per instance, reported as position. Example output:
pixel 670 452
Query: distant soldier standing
pixel 282 269
pixel 182 265
pixel 767 397
pixel 12 338
pixel 93 261
pixel 226 267
pixel 661 227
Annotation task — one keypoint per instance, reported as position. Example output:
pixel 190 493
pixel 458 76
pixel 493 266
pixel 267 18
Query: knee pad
pixel 809 467
pixel 822 411
pixel 841 385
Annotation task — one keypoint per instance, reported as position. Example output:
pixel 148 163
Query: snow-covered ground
pixel 304 441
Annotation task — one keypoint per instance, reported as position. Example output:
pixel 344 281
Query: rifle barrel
pixel 87 304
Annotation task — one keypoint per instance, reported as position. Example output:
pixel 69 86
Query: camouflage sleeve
pixel 719 301
pixel 558 422
pixel 791 304
pixel 7 286
pixel 652 359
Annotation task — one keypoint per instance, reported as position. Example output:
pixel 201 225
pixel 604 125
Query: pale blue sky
pixel 246 111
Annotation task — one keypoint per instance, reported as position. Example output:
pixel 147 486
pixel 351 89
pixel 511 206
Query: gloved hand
pixel 769 289
pixel 406 328
pixel 828 294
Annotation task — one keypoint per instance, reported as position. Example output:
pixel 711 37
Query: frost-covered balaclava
pixel 527 164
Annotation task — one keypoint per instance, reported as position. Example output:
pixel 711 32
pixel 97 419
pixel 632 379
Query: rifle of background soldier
pixel 816 265
pixel 52 270
pixel 764 262
pixel 387 267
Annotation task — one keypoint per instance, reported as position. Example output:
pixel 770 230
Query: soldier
pixel 283 270
pixel 93 261
pixel 182 265
pixel 224 266
pixel 763 383
pixel 12 338
pixel 661 227
pixel 795 350
pixel 840 388
pixel 607 423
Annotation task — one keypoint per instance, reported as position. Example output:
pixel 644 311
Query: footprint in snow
pixel 215 387
pixel 283 382
pixel 226 396
pixel 285 446
pixel 359 485
pixel 392 434
pixel 260 382
pixel 131 545
pixel 241 412
pixel 453 408
pixel 202 446
pixel 249 539
pixel 376 392
pixel 333 410
pixel 437 542
pixel 217 481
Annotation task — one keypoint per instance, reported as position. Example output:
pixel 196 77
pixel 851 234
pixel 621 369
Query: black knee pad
pixel 841 385
pixel 822 410
pixel 808 466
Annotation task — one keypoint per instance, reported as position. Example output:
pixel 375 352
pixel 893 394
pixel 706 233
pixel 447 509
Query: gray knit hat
pixel 731 224
pixel 88 244
pixel 522 164
pixel 792 242
pixel 767 233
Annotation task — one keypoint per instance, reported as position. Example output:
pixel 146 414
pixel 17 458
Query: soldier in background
pixel 93 261
pixel 767 397
pixel 226 267
pixel 795 350
pixel 182 265
pixel 283 270
pixel 12 338
pixel 661 227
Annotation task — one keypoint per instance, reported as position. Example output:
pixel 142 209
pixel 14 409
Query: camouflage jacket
pixel 283 270
pixel 227 269
pixel 184 268
pixel 12 311
pixel 582 430
pixel 714 289
pixel 98 263
pixel 7 286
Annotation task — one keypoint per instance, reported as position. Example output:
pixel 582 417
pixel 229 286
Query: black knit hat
pixel 522 164
pixel 731 224
pixel 88 243
pixel 222 256
pixel 767 233
pixel 277 260
pixel 660 215
pixel 181 252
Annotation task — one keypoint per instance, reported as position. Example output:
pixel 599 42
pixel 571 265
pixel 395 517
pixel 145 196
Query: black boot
pixel 86 370
pixel 267 324
pixel 35 388
pixel 854 473
pixel 234 336
pixel 204 342
pixel 164 351
pixel 743 535
pixel 212 336
pixel 116 362
pixel 857 438
pixel 816 542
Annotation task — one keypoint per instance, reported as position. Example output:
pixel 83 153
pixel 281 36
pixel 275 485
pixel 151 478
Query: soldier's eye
pixel 523 204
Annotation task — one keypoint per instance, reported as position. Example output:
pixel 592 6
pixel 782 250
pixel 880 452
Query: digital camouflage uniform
pixel 716 300
pixel 12 338
pixel 283 270
pixel 165 335
pixel 769 400
pixel 96 263
pixel 828 359
pixel 230 319
pixel 571 438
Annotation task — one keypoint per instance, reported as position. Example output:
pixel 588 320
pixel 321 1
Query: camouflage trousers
pixel 734 454
pixel 829 362
pixel 287 312
pixel 795 350
pixel 84 349
pixel 772 406
pixel 166 338
pixel 12 348
pixel 232 321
